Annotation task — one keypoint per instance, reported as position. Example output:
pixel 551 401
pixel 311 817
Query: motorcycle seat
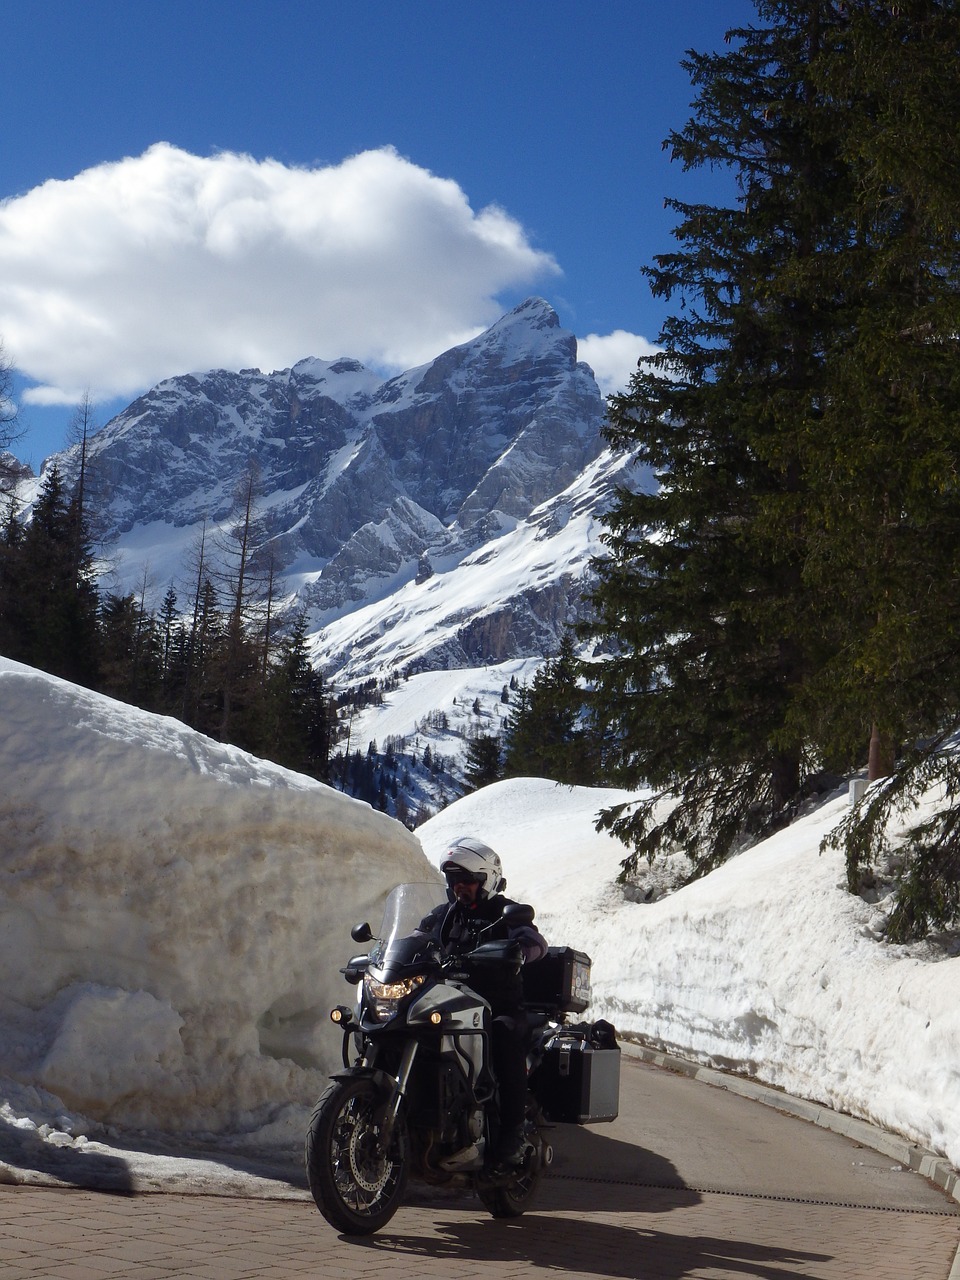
pixel 537 1018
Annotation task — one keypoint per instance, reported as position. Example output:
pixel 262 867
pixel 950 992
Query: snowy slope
pixel 512 596
pixel 766 967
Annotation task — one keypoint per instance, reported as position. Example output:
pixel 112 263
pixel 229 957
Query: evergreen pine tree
pixel 172 640
pixel 545 734
pixel 52 610
pixel 884 478
pixel 482 763
pixel 201 705
pixel 702 598
pixel 781 601
pixel 13 588
pixel 303 715
pixel 894 502
pixel 130 652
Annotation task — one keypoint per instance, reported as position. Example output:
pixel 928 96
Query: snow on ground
pixel 174 913
pixel 441 711
pixel 442 708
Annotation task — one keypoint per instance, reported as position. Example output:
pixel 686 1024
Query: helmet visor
pixel 457 875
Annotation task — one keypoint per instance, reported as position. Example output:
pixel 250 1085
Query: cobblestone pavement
pixel 577 1229
pixel 689 1183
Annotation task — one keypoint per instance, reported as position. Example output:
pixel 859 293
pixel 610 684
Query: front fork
pixel 399 1090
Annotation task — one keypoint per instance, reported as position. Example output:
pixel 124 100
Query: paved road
pixel 691 1183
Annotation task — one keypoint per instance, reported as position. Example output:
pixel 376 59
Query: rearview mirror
pixel 361 932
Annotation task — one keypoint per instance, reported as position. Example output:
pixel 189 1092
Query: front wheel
pixel 356 1183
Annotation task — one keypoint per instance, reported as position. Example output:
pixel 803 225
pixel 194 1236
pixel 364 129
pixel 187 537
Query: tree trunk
pixel 785 779
pixel 880 756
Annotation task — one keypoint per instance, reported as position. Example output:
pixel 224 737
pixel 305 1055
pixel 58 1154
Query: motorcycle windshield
pixel 405 907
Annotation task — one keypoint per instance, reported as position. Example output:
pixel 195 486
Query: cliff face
pixel 367 487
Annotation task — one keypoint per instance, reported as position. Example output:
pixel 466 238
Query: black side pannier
pixel 578 1081
pixel 558 980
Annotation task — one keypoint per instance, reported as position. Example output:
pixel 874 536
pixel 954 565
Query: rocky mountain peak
pixel 363 480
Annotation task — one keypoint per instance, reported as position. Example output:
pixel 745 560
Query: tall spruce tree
pixel 302 716
pixel 130 652
pixel 893 417
pixel 50 606
pixel 702 595
pixel 12 586
pixel 883 497
pixel 782 599
pixel 482 761
pixel 545 733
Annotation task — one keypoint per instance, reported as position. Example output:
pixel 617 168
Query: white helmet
pixel 472 855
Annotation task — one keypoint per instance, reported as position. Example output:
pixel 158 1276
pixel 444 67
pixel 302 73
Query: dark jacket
pixel 458 929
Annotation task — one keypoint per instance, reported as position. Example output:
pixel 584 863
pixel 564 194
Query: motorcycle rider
pixel 475 904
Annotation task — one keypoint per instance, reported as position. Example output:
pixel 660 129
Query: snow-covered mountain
pixel 441 518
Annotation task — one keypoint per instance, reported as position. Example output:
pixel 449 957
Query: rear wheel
pixel 356 1182
pixel 511 1195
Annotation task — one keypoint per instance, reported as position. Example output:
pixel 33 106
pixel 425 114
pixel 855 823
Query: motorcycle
pixel 418 1096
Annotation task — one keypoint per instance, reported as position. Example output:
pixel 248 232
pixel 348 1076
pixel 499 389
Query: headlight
pixel 383 998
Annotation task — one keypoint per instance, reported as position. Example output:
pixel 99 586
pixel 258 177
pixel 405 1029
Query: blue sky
pixel 374 179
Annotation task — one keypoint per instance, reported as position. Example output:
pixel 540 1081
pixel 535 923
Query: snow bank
pixel 173 913
pixel 767 967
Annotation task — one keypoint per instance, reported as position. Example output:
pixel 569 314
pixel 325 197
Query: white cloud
pixel 613 357
pixel 166 262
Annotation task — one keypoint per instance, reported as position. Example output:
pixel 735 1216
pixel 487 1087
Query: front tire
pixel 357 1185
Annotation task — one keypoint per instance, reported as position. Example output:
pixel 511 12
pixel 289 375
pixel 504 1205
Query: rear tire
pixel 513 1195
pixel 356 1184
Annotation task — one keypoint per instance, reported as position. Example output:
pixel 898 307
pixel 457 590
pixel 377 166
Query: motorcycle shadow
pixel 574 1246
pixel 591 1174
pixel 592 1159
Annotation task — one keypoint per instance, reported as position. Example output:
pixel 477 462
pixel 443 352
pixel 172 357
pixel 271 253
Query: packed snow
pixel 171 917
pixel 174 913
